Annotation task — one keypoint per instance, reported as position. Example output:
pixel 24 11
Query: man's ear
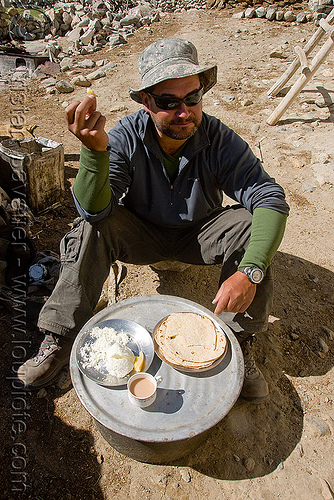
pixel 145 101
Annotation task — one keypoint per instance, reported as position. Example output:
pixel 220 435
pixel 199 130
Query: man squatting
pixel 152 190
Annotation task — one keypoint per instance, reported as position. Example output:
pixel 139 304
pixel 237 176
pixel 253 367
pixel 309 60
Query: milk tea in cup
pixel 142 389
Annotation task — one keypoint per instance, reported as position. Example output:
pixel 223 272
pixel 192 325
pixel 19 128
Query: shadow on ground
pixel 41 456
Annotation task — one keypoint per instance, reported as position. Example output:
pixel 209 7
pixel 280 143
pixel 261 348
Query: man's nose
pixel 182 110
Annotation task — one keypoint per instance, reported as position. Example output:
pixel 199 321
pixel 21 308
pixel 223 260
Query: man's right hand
pixel 87 124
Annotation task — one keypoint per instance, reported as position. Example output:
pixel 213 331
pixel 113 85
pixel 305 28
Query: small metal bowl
pixel 140 340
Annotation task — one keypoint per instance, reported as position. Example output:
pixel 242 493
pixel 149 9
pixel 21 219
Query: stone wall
pixel 92 24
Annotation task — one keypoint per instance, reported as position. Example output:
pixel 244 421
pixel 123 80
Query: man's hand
pixel 87 124
pixel 235 294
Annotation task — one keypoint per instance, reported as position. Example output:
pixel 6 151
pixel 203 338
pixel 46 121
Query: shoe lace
pixel 48 344
pixel 250 364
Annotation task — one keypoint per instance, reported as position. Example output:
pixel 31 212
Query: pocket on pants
pixel 71 243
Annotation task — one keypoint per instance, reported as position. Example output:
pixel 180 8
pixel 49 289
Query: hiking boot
pixel 255 388
pixel 53 355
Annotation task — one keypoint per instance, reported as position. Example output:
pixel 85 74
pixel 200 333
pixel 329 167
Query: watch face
pixel 256 275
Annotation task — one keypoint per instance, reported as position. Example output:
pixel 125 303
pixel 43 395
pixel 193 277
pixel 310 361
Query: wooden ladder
pixel 307 70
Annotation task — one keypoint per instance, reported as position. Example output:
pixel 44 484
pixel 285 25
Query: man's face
pixel 182 122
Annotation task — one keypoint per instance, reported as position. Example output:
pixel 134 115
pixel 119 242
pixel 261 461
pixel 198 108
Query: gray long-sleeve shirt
pixel 214 161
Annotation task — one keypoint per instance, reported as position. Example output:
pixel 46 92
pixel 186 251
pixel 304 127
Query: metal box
pixel 37 171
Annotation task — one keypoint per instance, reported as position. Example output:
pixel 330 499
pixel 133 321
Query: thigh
pixel 220 239
pixel 132 239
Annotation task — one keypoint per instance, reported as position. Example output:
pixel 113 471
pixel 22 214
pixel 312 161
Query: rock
pixel 84 22
pixel 67 63
pixel 101 62
pixel 42 393
pixel 279 15
pixel 64 87
pixel 328 332
pixel 129 21
pixel 228 98
pixel 185 475
pixel 109 65
pixel 239 15
pixel 301 17
pixel 81 81
pixel 142 10
pixel 289 16
pixel 308 187
pixel 76 20
pixel 86 63
pixel 277 53
pixel 321 103
pixel 320 425
pixel 67 18
pixel 64 380
pixel 48 82
pixel 261 12
pixel 271 12
pixel 249 464
pixel 87 36
pixel 246 102
pixel 161 479
pixel 300 450
pixel 249 13
pixel 323 346
pixel 294 336
pixel 116 40
pixel 99 73
pixel 75 33
pixel 255 128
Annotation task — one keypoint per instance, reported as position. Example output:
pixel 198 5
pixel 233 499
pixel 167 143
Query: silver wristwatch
pixel 254 274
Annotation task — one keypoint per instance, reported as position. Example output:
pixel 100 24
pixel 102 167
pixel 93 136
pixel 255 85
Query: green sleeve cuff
pixel 267 232
pixel 91 187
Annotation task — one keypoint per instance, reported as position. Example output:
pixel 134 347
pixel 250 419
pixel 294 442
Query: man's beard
pixel 181 134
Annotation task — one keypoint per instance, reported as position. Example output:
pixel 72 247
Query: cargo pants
pixel 88 251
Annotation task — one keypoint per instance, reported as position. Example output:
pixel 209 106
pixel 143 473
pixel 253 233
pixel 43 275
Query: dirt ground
pixel 280 449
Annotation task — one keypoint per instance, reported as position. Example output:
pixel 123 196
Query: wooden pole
pixel 301 82
pixel 291 70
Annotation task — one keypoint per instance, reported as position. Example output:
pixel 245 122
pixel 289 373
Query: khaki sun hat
pixel 171 58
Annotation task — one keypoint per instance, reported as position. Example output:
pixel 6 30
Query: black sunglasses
pixel 167 103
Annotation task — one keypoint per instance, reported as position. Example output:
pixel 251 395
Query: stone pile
pixel 91 25
pixel 276 13
pixel 4 19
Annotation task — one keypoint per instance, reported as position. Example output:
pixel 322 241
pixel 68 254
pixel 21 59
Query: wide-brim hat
pixel 171 58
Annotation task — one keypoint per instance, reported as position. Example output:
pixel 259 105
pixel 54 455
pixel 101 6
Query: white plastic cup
pixel 142 389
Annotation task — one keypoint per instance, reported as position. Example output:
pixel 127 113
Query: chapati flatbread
pixel 190 340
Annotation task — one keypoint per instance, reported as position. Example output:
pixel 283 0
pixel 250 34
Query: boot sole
pixel 46 381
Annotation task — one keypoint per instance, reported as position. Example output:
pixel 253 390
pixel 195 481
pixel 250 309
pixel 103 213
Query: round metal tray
pixel 183 368
pixel 187 404
pixel 140 340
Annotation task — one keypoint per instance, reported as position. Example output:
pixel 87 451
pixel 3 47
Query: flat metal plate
pixel 159 353
pixel 187 404
pixel 140 340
